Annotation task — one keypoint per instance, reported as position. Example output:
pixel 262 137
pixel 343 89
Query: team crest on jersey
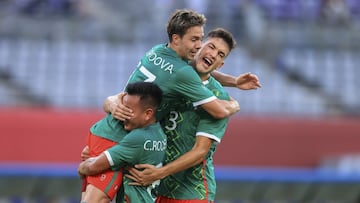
pixel 102 177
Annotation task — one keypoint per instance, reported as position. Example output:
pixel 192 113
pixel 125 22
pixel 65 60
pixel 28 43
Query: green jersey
pixel 177 79
pixel 109 128
pixel 197 182
pixel 142 145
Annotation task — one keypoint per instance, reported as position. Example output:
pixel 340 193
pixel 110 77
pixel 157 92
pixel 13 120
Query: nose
pixel 213 53
pixel 198 44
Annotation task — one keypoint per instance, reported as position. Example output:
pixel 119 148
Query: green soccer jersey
pixel 177 79
pixel 109 128
pixel 197 182
pixel 143 145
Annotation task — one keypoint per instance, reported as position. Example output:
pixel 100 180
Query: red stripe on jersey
pixel 205 181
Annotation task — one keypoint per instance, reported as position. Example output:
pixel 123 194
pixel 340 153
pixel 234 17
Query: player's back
pixel 176 78
pixel 148 146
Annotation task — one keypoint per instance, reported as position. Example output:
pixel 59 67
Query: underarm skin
pixel 94 165
pixel 224 79
pixel 220 109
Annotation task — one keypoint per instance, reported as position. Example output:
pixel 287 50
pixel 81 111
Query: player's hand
pixel 143 174
pixel 248 81
pixel 235 105
pixel 82 176
pixel 85 154
pixel 120 111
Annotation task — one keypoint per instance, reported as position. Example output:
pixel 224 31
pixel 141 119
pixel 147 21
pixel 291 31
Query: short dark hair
pixel 150 93
pixel 223 34
pixel 183 19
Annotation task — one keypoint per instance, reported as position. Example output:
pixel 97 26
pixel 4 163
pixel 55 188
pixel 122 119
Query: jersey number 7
pixel 150 77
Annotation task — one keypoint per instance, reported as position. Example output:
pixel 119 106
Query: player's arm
pixel 221 108
pixel 150 173
pixel 94 165
pixel 246 81
pixel 188 83
pixel 113 104
pixel 114 157
pixel 193 157
pixel 217 108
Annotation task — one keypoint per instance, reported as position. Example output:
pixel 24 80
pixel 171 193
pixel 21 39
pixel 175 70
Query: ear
pixel 220 66
pixel 149 113
pixel 175 39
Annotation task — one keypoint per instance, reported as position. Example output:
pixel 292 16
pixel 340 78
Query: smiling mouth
pixel 207 61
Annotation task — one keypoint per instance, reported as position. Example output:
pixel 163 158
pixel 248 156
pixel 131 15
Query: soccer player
pixel 188 173
pixel 143 140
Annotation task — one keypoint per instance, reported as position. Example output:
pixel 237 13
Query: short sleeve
pixel 126 152
pixel 188 83
pixel 211 127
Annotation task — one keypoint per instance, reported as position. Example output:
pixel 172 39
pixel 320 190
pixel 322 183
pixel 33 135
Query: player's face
pixel 211 55
pixel 190 43
pixel 139 118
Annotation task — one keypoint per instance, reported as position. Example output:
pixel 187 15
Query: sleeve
pixel 126 152
pixel 211 127
pixel 188 83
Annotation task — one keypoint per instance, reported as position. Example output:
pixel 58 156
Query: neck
pixel 175 48
pixel 204 77
pixel 150 122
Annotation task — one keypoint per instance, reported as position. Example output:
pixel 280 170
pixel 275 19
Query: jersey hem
pixel 211 136
pixel 108 156
pixel 204 101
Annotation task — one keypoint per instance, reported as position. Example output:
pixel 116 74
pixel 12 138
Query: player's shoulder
pixel 153 131
pixel 140 131
pixel 214 83
pixel 136 132
pixel 158 47
pixel 216 87
pixel 156 128
pixel 161 53
pixel 187 71
pixel 135 135
pixel 162 50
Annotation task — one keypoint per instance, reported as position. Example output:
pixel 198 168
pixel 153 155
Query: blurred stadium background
pixel 295 140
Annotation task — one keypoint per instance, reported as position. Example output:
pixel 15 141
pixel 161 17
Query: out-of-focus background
pixel 295 140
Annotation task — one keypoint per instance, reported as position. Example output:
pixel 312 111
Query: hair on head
pixel 183 19
pixel 223 34
pixel 149 93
